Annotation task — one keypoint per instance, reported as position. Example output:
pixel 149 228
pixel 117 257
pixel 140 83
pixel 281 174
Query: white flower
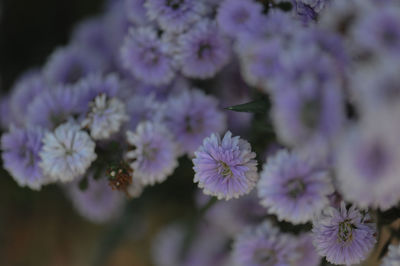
pixel 393 256
pixel 155 155
pixel 105 118
pixel 67 153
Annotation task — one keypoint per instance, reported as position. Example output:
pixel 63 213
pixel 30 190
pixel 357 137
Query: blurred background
pixel 42 228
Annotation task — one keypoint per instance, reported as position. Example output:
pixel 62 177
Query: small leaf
pixel 257 106
pixel 83 184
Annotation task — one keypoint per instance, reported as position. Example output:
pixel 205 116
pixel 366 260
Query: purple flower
pixel 174 15
pixel 147 57
pixel 308 10
pixel 225 168
pixel 293 188
pixel 154 156
pixel 368 161
pixel 67 65
pixel 141 108
pixel 136 11
pixel 23 92
pixel 263 245
pixel 202 51
pixel 344 236
pixel 309 103
pixel 191 116
pixel 307 255
pixel 20 154
pixel 53 107
pixel 393 256
pixel 98 203
pixel 238 16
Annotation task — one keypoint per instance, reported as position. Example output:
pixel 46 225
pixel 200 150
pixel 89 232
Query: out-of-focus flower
pixel 343 236
pixel 393 256
pixel 293 188
pixel 98 202
pixel 192 116
pixel 20 153
pixel 154 156
pixel 202 51
pixel 67 153
pixel 67 65
pixel 136 11
pixel 175 15
pixel 237 16
pixel 105 117
pixel 147 57
pixel 368 161
pixel 263 245
pixel 225 168
pixel 307 255
pixel 53 107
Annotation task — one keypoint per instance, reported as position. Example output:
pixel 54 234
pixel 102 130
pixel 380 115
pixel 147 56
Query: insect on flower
pixel 119 176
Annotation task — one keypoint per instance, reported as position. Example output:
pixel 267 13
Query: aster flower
pixel 368 161
pixel 262 245
pixel 67 65
pixel 225 168
pixel 147 57
pixel 307 255
pixel 174 15
pixel 191 117
pixel 98 202
pixel 393 256
pixel 105 117
pixel 136 11
pixel 293 188
pixel 309 103
pixel 88 88
pixel 52 107
pixel 237 16
pixel 343 236
pixel 25 89
pixel 20 154
pixel 67 153
pixel 142 108
pixel 202 51
pixel 154 156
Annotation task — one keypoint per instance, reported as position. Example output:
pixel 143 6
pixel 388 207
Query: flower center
pixel 225 170
pixel 345 233
pixel 295 187
pixel 74 74
pixel 204 50
pixel 241 16
pixel 175 4
pixel 264 256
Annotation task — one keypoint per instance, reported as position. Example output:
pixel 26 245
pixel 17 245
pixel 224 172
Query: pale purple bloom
pixel 344 236
pixel 23 92
pixel 98 202
pixel 91 34
pixel 307 254
pixel 393 256
pixel 52 107
pixel 175 15
pixel 192 116
pixel 368 161
pixel 202 51
pixel 67 65
pixel 263 245
pixel 308 10
pixel 154 154
pixel 141 108
pixel 238 16
pixel 67 153
pixel 94 85
pixel 225 168
pixel 147 57
pixel 309 102
pixel 293 188
pixel 136 11
pixel 20 154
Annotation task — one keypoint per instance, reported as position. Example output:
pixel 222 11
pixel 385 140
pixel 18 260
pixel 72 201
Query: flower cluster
pixel 145 84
